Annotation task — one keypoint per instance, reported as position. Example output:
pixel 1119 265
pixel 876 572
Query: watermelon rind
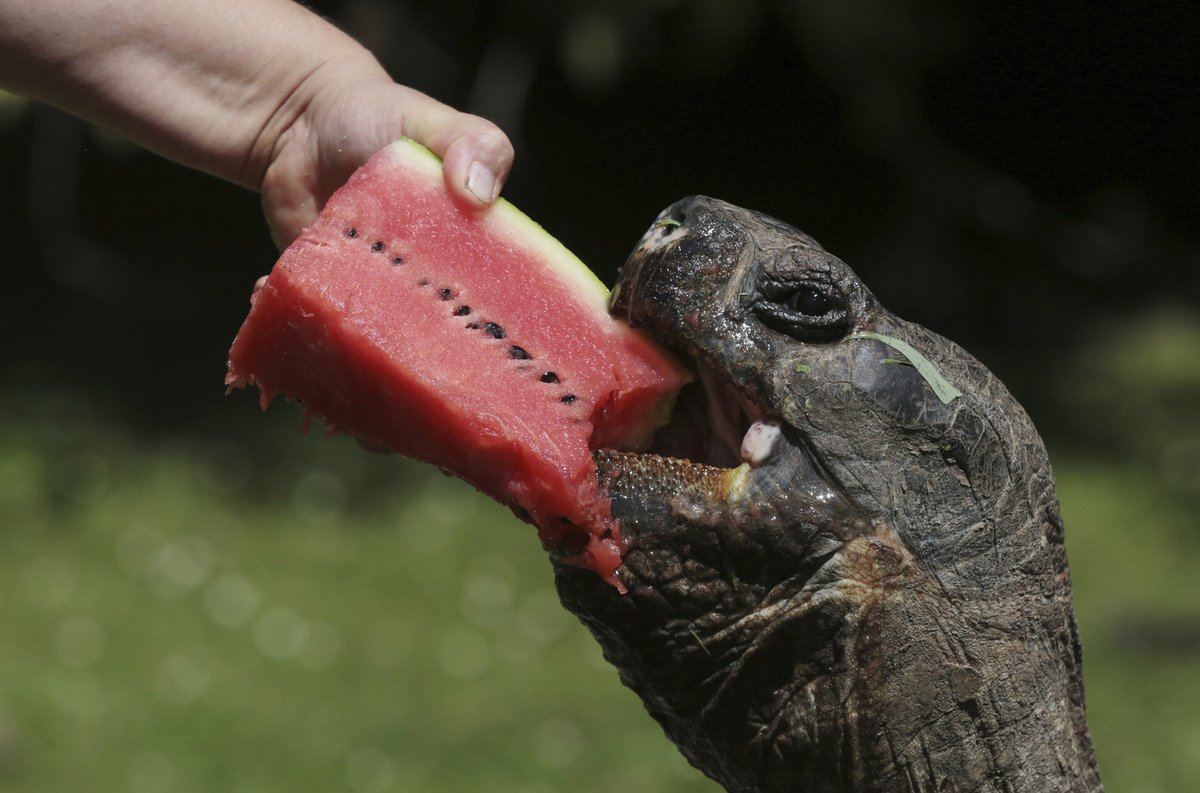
pixel 508 221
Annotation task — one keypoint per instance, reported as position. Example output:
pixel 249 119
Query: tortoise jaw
pixel 720 459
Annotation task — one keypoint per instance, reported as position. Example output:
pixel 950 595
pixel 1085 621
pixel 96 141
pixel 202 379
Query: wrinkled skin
pixel 880 600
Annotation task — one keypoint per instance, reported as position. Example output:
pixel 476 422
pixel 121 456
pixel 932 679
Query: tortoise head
pixel 845 565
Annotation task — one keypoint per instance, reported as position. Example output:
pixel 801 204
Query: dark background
pixel 1007 174
pixel 1019 177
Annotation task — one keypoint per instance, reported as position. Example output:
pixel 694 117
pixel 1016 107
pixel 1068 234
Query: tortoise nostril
pixel 664 232
pixel 673 217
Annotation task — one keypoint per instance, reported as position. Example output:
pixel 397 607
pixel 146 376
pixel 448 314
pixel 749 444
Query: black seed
pixel 462 311
pixel 473 326
pixel 377 246
pixel 549 377
pixel 519 353
pixel 569 399
pixel 397 260
pixel 352 232
pixel 445 293
pixel 494 330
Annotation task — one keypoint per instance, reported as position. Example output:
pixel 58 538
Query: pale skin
pixel 263 93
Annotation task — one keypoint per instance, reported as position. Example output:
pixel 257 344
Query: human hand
pixel 347 112
pixel 263 93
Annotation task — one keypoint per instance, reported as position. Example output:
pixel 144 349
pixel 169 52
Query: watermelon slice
pixel 475 342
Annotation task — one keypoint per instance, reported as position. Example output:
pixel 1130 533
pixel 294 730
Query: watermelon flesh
pixel 475 342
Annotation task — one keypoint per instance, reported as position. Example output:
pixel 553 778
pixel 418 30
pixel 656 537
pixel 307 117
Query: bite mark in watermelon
pixel 475 342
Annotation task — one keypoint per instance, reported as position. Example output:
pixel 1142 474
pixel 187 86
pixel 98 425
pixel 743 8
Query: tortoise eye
pixel 809 302
pixel 807 312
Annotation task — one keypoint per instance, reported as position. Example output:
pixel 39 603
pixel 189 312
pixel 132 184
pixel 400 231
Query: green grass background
pixel 255 609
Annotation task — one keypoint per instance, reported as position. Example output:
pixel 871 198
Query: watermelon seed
pixel 377 246
pixel 423 282
pixel 494 330
pixel 352 232
pixel 397 260
pixel 569 399
pixel 462 311
pixel 473 326
pixel 445 293
pixel 519 353
pixel 549 377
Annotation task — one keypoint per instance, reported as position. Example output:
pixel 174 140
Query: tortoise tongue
pixel 761 442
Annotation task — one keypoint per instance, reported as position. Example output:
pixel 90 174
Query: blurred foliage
pixel 195 597
pixel 254 608
pixel 233 613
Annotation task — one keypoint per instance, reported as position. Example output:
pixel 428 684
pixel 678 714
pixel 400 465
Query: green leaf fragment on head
pixel 665 222
pixel 942 387
pixel 803 368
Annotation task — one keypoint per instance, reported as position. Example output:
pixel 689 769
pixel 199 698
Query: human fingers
pixel 341 129
pixel 476 154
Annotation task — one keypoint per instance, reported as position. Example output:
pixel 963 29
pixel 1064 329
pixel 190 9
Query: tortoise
pixel 845 563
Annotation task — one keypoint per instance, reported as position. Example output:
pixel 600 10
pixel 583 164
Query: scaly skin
pixel 882 602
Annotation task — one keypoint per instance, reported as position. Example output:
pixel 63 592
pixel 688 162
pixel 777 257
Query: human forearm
pixel 210 84
pixel 260 92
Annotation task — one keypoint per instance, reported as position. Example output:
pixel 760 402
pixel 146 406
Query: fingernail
pixel 481 182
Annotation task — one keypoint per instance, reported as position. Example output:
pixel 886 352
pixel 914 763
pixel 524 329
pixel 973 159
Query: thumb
pixel 476 154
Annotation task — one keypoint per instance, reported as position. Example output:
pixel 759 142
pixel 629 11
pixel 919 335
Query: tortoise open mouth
pixel 715 424
pixel 699 463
